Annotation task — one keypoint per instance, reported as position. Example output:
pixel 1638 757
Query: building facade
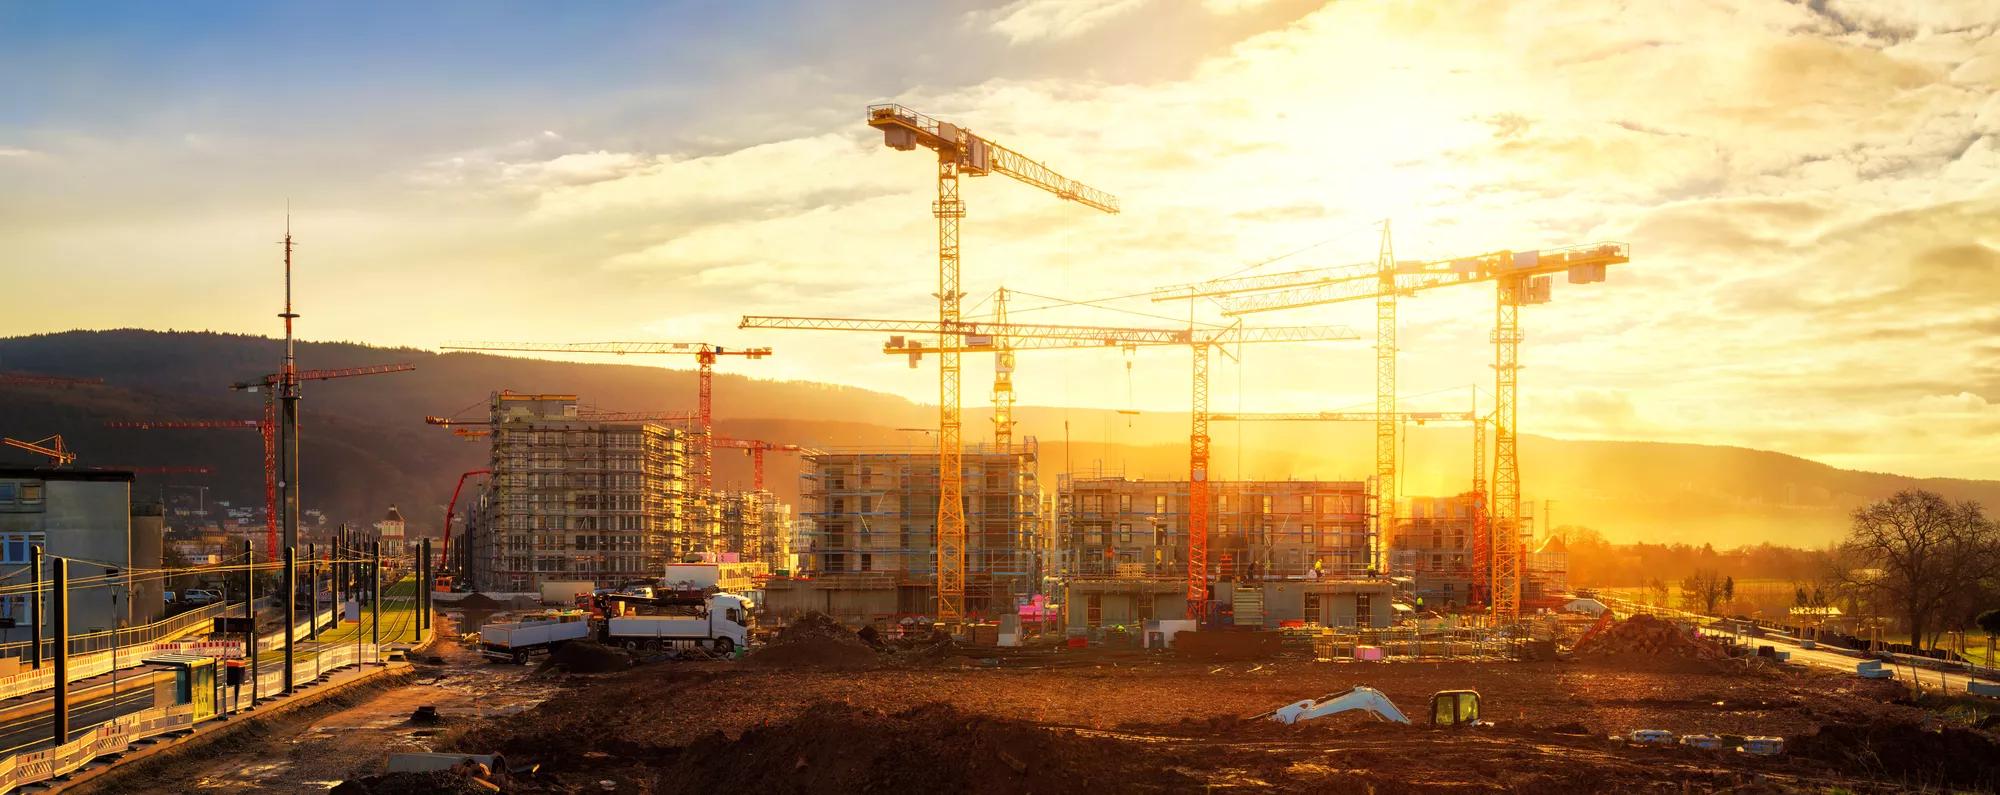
pixel 1277 528
pixel 390 531
pixel 86 516
pixel 756 527
pixel 867 532
pixel 572 498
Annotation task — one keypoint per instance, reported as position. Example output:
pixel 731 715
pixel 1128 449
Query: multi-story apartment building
pixel 1275 528
pixel 87 515
pixel 578 499
pixel 867 532
pixel 756 526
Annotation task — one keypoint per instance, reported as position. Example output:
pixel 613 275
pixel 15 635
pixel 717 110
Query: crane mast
pixel 959 152
pixel 1520 278
pixel 1044 337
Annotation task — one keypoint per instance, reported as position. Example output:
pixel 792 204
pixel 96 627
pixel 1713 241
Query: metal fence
pixel 128 637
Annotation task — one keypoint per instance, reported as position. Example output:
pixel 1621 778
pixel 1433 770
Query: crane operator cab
pixel 1455 708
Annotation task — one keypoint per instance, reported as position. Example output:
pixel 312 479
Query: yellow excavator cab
pixel 1455 708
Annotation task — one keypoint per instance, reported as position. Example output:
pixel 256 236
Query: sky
pixel 1811 191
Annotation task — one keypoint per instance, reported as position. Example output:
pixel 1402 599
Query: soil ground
pixel 1128 722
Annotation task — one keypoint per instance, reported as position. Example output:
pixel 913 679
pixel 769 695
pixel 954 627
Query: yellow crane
pixel 983 337
pixel 961 153
pixel 59 454
pixel 1520 278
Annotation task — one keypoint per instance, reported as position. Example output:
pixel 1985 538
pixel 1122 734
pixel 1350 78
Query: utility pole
pixel 424 591
pixel 375 595
pixel 288 420
pixel 250 613
pixel 59 576
pixel 312 592
pixel 35 603
pixel 291 612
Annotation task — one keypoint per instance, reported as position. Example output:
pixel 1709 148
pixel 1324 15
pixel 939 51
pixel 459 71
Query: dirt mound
pixel 478 601
pixel 815 640
pixel 441 782
pixel 838 747
pixel 1645 635
pixel 1955 759
pixel 585 657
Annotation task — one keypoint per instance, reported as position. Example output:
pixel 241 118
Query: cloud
pixel 1029 21
pixel 17 152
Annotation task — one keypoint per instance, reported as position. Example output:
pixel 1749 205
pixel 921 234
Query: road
pixel 1926 678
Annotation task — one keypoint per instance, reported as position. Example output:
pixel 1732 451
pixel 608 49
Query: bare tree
pixel 1917 554
pixel 1658 589
pixel 1704 590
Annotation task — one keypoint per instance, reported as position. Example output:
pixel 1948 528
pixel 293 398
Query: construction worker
pixel 1319 568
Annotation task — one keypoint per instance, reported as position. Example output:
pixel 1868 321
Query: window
pixel 1093 503
pixel 15 547
pixel 1221 503
pixel 1159 504
pixel 31 491
pixel 1306 504
pixel 1124 534
pixel 1124 503
pixel 1264 505
pixel 7 491
pixel 1308 536
pixel 1364 613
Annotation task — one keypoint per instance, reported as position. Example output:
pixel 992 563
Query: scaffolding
pixel 873 511
pixel 1108 525
pixel 580 499
pixel 756 527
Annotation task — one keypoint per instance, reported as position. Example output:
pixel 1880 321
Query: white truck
pixel 518 640
pixel 723 626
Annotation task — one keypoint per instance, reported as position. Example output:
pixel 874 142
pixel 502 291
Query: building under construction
pixel 867 533
pixel 756 527
pixel 574 498
pixel 1279 550
pixel 1435 545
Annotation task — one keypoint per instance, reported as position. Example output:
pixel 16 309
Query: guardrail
pixel 129 637
pixel 109 737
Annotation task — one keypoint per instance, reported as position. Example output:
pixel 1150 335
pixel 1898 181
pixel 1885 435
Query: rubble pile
pixel 815 640
pixel 1646 635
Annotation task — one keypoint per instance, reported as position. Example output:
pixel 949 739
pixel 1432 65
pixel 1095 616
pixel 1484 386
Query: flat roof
pixel 104 475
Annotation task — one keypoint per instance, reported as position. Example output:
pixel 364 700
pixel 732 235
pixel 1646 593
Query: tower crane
pixel 52 447
pixel 961 153
pixel 283 388
pixel 756 449
pixel 704 353
pixel 1520 278
pixel 978 337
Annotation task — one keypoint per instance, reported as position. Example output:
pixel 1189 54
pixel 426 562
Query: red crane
pixel 757 449
pixel 274 386
pixel 704 353
pixel 450 511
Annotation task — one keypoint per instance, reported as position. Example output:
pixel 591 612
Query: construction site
pixel 949 617
pixel 704 589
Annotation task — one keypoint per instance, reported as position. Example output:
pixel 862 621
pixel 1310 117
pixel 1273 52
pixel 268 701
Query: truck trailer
pixel 722 626
pixel 517 641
